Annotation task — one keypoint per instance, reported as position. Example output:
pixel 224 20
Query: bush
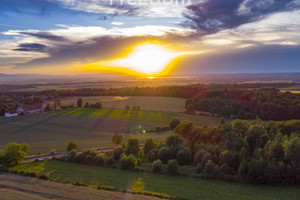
pixel 152 155
pixel 149 145
pixel 109 161
pixel 183 156
pixel 175 121
pixel 133 147
pixel 99 160
pixel 157 166
pixel 174 140
pixel 71 155
pixel 164 154
pixel 72 145
pixel 52 152
pixel 43 177
pixel 226 169
pixel 200 167
pixel 172 167
pixel 127 162
pixel 202 156
pixel 209 167
pixel 117 153
pixel 79 158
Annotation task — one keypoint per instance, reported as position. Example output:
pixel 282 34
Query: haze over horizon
pixel 200 37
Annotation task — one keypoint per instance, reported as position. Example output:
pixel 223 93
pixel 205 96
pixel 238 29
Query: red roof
pixel 34 106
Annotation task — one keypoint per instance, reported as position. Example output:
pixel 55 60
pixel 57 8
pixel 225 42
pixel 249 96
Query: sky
pixel 192 36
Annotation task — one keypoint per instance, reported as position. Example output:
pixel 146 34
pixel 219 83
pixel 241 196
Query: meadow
pixel 169 104
pixel 19 187
pixel 176 186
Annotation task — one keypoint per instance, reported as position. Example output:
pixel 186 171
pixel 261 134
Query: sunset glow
pixel 145 59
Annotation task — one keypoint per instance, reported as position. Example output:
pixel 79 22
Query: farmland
pixel 18 187
pixel 95 127
pixel 169 104
pixel 172 185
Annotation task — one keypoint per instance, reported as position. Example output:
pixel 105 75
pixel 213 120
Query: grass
pixel 169 104
pixel 178 186
pixel 47 131
pixel 19 187
pixel 154 117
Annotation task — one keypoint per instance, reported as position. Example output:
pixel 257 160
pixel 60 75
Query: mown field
pixel 14 187
pixel 155 117
pixel 94 127
pixel 178 186
pixel 169 104
pixel 46 131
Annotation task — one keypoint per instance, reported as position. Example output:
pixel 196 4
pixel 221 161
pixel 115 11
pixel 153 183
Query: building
pixel 29 109
pixel 11 114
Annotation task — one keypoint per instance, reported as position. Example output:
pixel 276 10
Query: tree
pixel 149 145
pixel 175 121
pixel 72 145
pixel 117 153
pixel 227 157
pixel 172 167
pixel 157 166
pixel 37 99
pixel 79 102
pixel 15 153
pixel 183 156
pixel 133 147
pixel 117 139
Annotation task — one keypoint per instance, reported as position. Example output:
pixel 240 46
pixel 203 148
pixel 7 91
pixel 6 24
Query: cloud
pixel 212 16
pixel 31 47
pixel 44 35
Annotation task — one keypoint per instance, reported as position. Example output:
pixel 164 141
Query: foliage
pixel 117 139
pixel 157 166
pixel 152 155
pixel 127 162
pixel 117 153
pixel 14 153
pixel 172 167
pixel 79 102
pixel 133 147
pixel 174 123
pixel 72 145
pixel 183 156
pixel 164 154
pixel 149 145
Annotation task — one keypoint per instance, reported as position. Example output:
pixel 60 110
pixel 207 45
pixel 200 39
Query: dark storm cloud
pixel 31 47
pixel 212 16
pixel 44 35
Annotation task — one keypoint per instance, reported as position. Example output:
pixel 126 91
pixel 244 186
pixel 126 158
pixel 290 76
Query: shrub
pixel 79 158
pixel 174 140
pixel 202 156
pixel 139 161
pixel 109 161
pixel 72 145
pixel 71 155
pixel 133 147
pixel 200 167
pixel 172 167
pixel 117 153
pixel 99 160
pixel 164 154
pixel 43 177
pixel 226 169
pixel 152 155
pixel 209 167
pixel 228 157
pixel 127 162
pixel 183 156
pixel 175 121
pixel 149 145
pixel 157 166
pixel 52 152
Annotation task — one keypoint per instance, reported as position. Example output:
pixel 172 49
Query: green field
pixel 178 186
pixel 14 187
pixel 169 104
pixel 46 131
pixel 154 117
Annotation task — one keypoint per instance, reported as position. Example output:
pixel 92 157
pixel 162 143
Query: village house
pixel 29 109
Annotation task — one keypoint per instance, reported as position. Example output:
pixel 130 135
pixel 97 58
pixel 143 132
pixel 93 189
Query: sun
pixel 145 59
